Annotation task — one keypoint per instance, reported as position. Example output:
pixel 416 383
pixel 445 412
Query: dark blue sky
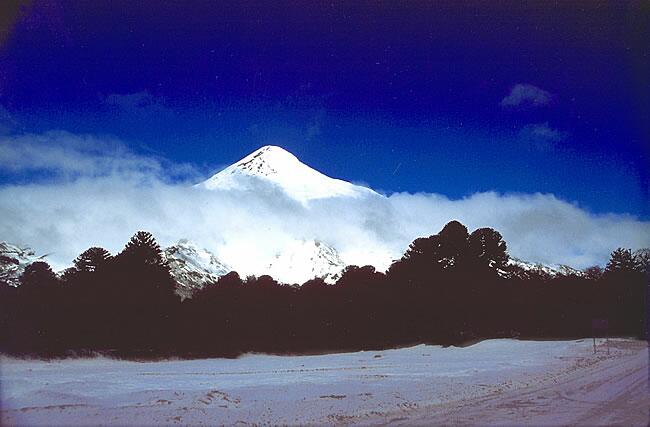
pixel 402 97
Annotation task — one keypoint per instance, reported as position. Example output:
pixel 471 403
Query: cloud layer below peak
pixel 105 193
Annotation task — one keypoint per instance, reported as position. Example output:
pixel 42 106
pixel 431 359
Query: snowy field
pixel 493 382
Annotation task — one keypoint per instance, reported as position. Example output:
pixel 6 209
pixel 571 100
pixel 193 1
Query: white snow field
pixel 495 382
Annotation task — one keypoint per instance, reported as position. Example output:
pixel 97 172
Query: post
pixel 603 326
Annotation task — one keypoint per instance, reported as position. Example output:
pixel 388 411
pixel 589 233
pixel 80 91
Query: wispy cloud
pixel 68 156
pixel 541 136
pixel 314 126
pixel 137 102
pixel 104 204
pixel 7 121
pixel 524 95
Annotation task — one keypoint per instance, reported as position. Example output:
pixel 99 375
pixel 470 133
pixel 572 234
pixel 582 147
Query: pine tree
pixel 442 250
pixel 91 259
pixel 621 260
pixel 453 243
pixel 595 272
pixel 421 248
pixel 143 247
pixel 487 248
pixel 38 275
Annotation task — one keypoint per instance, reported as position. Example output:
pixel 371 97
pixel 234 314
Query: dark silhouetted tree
pixel 595 272
pixel 487 248
pixel 453 244
pixel 421 248
pixel 359 277
pixel 91 259
pixel 69 274
pixel 316 284
pixel 621 260
pixel 443 290
pixel 230 280
pixel 37 275
pixel 144 248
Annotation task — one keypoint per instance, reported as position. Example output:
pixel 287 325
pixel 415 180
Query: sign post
pixel 602 326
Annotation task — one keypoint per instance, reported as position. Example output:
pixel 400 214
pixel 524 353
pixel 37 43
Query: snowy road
pixel 493 382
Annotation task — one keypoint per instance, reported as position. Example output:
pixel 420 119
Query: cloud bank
pixel 98 193
pixel 525 96
pixel 65 156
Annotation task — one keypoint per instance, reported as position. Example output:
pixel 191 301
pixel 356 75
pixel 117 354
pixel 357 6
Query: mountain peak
pixel 268 160
pixel 269 149
pixel 276 166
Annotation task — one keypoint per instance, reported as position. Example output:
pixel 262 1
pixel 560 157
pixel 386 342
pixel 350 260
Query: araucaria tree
pixel 487 248
pixel 91 259
pixel 621 261
pixel 448 288
pixel 143 248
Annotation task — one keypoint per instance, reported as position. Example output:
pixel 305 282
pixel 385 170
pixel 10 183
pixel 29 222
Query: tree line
pixel 450 288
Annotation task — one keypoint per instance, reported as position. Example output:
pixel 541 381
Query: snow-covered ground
pixel 493 382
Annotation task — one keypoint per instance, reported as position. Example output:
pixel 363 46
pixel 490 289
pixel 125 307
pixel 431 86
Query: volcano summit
pixel 276 166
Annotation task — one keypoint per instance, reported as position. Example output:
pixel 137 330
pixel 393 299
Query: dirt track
pixel 600 390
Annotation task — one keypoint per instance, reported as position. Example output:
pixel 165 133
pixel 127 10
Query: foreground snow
pixel 493 382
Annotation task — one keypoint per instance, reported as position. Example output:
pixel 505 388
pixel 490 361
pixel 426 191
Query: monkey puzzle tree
pixel 621 261
pixel 142 247
pixel 37 275
pixel 91 259
pixel 487 248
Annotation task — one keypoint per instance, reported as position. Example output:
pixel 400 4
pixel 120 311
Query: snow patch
pixel 13 261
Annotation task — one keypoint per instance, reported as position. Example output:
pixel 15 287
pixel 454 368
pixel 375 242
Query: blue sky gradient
pixel 417 97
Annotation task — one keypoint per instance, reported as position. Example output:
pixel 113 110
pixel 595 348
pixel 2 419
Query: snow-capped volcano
pixel 274 165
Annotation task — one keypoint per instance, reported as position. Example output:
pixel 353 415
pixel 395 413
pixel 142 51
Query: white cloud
pixel 66 216
pixel 525 96
pixel 68 156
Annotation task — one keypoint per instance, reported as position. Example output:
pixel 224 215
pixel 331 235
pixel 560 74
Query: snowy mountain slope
pixel 525 269
pixel 192 267
pixel 303 260
pixel 13 261
pixel 274 165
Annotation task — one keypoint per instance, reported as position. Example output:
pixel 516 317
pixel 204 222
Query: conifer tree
pixel 487 248
pixel 38 274
pixel 91 259
pixel 143 247
pixel 621 260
